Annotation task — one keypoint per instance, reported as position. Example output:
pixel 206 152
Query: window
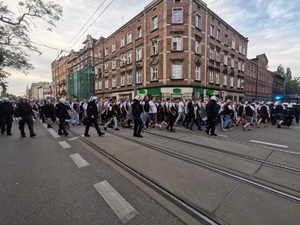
pixel 139 32
pixel 154 24
pixel 198 46
pixel 96 85
pixel 226 39
pixel 129 58
pixel 198 73
pixel 225 60
pixel 122 42
pixel 139 76
pixel 225 79
pixel 177 16
pixel 106 83
pixel 139 54
pixel 129 78
pixel 232 63
pixel 122 80
pixel 231 81
pixel 239 82
pixel 244 50
pixel 233 43
pixel 211 76
pixel 113 47
pixel 100 84
pixel 212 30
pixel 113 64
pixel 154 47
pixel 106 66
pixel 198 21
pixel 218 34
pixel 113 81
pixel 123 60
pixel 129 38
pixel 176 43
pixel 239 65
pixel 240 48
pixel 217 78
pixel 243 67
pixel 154 73
pixel 177 71
pixel 211 53
pixel 217 56
pixel 106 51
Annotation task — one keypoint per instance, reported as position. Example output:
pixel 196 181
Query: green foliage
pixel 292 85
pixel 14 32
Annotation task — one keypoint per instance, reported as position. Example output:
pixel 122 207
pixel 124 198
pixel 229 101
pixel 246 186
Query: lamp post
pixel 134 64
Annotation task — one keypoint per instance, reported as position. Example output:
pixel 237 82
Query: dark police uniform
pixel 61 111
pixel 6 112
pixel 136 112
pixel 24 111
pixel 212 115
pixel 92 116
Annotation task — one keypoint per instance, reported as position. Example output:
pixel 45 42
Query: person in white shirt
pixel 153 112
pixel 181 112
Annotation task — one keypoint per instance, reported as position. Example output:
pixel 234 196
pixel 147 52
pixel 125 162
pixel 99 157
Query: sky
pixel 272 27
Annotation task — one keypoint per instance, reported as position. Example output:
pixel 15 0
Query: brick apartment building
pixel 259 80
pixel 59 75
pixel 181 49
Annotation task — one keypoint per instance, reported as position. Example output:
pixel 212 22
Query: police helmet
pixel 62 100
pixel 23 98
pixel 138 98
pixel 93 98
pixel 213 98
pixel 5 99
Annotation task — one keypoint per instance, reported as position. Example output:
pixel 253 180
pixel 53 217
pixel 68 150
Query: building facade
pixel 173 49
pixel 259 80
pixel 59 76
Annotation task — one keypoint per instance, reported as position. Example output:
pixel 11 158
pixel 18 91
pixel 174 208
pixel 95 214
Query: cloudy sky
pixel 272 27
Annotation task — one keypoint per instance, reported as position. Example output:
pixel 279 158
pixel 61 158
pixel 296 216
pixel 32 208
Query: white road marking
pixel 64 144
pixel 72 139
pixel 118 204
pixel 51 131
pixel 221 135
pixel 79 161
pixel 267 143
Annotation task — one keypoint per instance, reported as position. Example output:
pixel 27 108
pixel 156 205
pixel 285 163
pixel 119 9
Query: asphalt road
pixel 48 180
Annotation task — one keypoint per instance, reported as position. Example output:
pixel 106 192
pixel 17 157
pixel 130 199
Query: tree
pixel 292 85
pixel 14 32
pixel 280 70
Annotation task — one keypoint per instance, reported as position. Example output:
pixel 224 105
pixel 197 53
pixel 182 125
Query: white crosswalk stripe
pixel 79 161
pixel 64 144
pixel 118 204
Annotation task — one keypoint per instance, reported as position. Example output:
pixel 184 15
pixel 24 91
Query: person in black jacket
pixel 137 110
pixel 24 113
pixel 92 117
pixel 61 111
pixel 212 115
pixel 49 112
pixel 6 112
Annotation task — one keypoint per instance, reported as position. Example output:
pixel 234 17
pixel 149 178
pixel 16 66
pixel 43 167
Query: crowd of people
pixel 145 113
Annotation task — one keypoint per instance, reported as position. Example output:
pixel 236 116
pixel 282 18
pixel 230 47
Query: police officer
pixel 92 117
pixel 24 113
pixel 212 110
pixel 61 110
pixel 6 112
pixel 137 110
pixel 279 110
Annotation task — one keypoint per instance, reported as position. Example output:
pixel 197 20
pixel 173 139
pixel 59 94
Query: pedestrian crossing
pixel 117 203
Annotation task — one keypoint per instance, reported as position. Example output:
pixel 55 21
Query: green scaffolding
pixel 80 83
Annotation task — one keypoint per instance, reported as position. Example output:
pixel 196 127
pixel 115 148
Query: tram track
pixel 189 207
pixel 241 156
pixel 204 217
pixel 209 167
